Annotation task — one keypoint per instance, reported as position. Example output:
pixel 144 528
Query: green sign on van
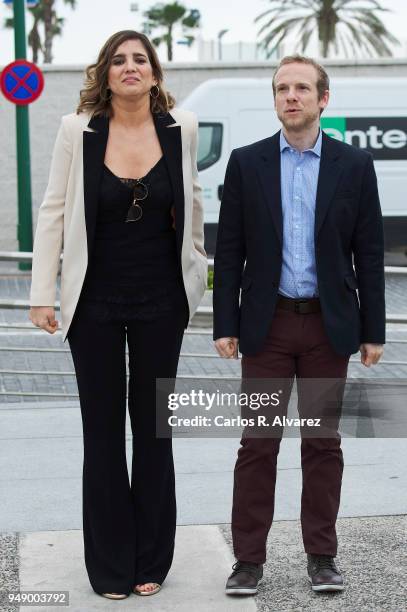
pixel 384 137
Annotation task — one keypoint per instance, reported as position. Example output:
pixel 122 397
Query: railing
pixel 26 257
pixel 202 310
pixel 18 304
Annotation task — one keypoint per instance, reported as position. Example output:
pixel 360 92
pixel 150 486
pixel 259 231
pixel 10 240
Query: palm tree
pixel 166 16
pixel 34 38
pixel 348 25
pixel 44 12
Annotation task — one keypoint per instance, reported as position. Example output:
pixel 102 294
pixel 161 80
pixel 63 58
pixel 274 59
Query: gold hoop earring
pixel 157 92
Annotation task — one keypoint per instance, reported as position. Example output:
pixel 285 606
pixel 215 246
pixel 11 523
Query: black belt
pixel 299 305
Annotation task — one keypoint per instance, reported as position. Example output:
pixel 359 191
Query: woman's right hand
pixel 44 317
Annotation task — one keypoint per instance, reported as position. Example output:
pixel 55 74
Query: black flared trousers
pixel 128 527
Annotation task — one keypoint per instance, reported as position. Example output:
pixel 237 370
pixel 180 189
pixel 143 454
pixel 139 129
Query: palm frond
pixel 364 29
pixel 349 43
pixel 270 51
pixel 158 40
pixel 339 4
pixel 275 20
pixel 282 29
pixel 283 8
pixel 359 38
pixel 306 37
pixel 305 32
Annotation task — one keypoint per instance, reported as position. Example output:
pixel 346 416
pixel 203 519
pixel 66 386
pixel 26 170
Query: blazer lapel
pixel 169 136
pixel 269 174
pixel 330 170
pixel 94 148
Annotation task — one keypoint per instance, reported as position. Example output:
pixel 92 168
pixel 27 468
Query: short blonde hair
pixel 322 80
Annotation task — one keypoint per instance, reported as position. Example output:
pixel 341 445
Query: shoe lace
pixel 325 562
pixel 241 566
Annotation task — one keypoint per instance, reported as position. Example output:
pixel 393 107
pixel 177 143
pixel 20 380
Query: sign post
pixel 21 84
pixel 25 222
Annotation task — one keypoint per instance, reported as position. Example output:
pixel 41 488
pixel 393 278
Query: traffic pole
pixel 25 225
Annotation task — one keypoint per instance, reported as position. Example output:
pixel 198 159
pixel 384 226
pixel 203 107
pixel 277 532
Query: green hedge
pixel 210 279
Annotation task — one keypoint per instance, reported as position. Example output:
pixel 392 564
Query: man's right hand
pixel 227 347
pixel 44 317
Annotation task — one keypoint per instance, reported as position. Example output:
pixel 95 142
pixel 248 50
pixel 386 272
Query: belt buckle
pixel 297 306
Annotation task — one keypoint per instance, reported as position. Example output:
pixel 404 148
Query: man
pixel 300 230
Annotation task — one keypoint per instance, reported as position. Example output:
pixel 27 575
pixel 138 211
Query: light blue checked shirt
pixel 299 179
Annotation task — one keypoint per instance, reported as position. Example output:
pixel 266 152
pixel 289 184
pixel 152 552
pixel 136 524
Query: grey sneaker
pixel 323 573
pixel 244 579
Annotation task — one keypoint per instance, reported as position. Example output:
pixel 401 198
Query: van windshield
pixel 210 144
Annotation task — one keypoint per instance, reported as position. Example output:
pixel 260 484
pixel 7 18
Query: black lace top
pixel 134 271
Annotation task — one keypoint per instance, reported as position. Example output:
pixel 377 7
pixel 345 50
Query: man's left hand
pixel 370 353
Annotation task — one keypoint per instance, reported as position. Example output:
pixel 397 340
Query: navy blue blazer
pixel 349 246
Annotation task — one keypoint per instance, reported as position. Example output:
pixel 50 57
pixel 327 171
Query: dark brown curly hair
pixel 94 97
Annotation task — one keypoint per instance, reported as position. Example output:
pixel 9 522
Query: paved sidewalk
pixel 41 452
pixel 371 556
pixel 40 482
pixel 54 560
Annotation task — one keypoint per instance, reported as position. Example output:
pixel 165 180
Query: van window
pixel 210 144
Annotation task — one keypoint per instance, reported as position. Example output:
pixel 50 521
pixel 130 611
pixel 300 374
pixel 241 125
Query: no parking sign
pixel 21 82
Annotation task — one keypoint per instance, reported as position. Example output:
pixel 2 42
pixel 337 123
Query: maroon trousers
pixel 296 345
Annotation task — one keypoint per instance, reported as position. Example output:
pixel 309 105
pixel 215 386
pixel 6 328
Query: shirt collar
pixel 316 149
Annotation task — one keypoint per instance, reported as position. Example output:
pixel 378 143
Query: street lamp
pixel 220 35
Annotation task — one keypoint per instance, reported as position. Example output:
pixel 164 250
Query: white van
pixel 367 112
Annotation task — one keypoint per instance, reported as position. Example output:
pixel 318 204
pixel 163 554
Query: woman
pixel 124 201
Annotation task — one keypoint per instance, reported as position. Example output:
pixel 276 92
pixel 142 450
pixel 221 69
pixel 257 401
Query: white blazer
pixel 67 215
